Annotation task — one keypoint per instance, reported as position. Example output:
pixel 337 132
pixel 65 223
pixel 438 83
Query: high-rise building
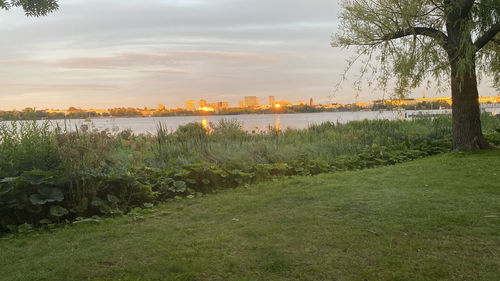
pixel 241 104
pixel 219 105
pixel 251 101
pixel 202 103
pixel 271 100
pixel 311 102
pixel 190 105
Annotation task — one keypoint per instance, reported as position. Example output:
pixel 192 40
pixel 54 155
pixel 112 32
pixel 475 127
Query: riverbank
pixel 431 219
pixel 52 176
pixel 255 123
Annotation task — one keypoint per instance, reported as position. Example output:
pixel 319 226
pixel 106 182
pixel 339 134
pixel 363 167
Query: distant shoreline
pixel 82 116
pixel 204 114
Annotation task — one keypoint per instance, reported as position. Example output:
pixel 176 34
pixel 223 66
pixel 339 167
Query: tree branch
pixel 437 6
pixel 466 6
pixel 461 8
pixel 487 36
pixel 425 31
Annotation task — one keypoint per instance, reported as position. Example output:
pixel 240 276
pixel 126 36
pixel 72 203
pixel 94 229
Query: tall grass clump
pixel 25 146
pixel 227 145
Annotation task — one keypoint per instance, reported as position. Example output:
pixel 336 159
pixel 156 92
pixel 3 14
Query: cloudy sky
pixel 110 53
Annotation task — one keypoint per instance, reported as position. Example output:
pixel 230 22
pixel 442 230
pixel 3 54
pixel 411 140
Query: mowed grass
pixel 432 219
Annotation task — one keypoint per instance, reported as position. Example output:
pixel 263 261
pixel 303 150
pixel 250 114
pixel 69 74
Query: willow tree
pixel 34 8
pixel 413 42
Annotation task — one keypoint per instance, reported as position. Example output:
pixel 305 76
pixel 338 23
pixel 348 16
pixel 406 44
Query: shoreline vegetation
pixel 51 177
pixel 76 113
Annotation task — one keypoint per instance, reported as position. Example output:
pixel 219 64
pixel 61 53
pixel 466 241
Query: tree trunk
pixel 466 113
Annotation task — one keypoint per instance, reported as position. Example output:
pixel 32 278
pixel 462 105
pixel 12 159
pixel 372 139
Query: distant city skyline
pixel 141 53
pixel 222 108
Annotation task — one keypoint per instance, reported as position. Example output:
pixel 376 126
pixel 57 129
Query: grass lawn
pixel 431 219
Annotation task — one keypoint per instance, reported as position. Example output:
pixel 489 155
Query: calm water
pixel 250 123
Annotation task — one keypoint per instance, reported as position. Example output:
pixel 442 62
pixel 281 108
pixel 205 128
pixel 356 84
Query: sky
pixel 141 53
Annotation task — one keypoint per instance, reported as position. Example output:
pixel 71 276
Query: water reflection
pixel 204 123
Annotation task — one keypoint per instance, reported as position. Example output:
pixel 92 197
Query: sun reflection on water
pixel 204 123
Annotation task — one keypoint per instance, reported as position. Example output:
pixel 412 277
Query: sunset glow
pixel 166 52
pixel 206 109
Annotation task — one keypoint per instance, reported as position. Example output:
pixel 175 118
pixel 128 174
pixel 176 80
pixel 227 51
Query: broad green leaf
pixel 179 186
pixel 52 194
pixel 45 221
pixel 8 180
pixel 58 211
pixel 37 199
pixel 191 181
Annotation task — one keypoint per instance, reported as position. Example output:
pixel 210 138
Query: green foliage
pixel 25 146
pixel 58 211
pixel 493 137
pixel 34 8
pixel 410 41
pixel 87 172
pixel 30 197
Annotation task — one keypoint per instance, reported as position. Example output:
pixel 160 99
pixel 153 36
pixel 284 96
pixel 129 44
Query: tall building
pixel 219 105
pixel 190 105
pixel 202 103
pixel 241 104
pixel 271 100
pixel 311 102
pixel 251 101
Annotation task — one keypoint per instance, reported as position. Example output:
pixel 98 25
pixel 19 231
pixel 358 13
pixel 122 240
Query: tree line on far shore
pixel 74 113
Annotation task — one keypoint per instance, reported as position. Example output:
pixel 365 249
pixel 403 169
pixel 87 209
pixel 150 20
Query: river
pixel 250 122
